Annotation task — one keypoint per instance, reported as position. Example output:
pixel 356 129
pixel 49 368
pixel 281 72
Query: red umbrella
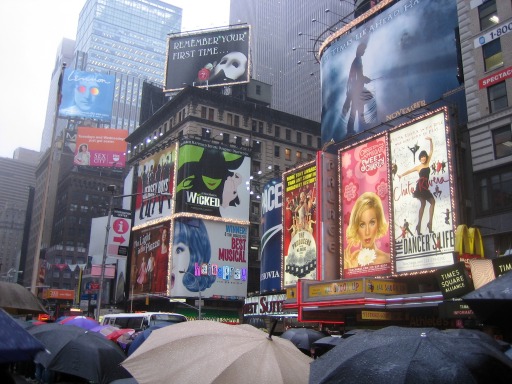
pixel 118 333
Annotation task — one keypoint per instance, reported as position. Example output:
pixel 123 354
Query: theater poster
pixel 365 203
pixel 422 194
pixel 299 224
pixel 212 180
pixel 209 256
pixel 155 186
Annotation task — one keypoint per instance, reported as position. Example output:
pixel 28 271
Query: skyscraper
pixel 285 35
pixel 124 39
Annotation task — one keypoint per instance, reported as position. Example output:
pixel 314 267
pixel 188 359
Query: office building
pixel 486 42
pixel 285 35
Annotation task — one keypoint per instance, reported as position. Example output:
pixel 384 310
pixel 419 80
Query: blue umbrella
pixel 142 336
pixel 16 344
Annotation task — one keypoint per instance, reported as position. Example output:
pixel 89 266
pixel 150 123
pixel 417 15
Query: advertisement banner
pixel 214 58
pixel 299 224
pixel 212 180
pixel 155 176
pixel 209 256
pixel 101 147
pixel 422 195
pixel 402 59
pixel 271 230
pixel 150 260
pixel 87 95
pixel 365 208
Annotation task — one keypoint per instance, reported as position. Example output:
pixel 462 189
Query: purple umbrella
pixel 80 321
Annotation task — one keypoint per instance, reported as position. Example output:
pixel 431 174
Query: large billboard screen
pixel 422 195
pixel 401 59
pixel 155 186
pixel 299 224
pixel 212 180
pixel 100 147
pixel 87 95
pixel 271 230
pixel 209 256
pixel 150 260
pixel 365 207
pixel 213 58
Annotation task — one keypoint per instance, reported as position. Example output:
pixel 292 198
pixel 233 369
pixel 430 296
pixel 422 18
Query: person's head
pixel 231 66
pixel 86 91
pixel 164 235
pixel 361 48
pixel 423 157
pixel 367 221
pixel 230 191
pixel 83 148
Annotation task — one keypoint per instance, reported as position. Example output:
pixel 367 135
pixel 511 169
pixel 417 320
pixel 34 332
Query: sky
pixel 31 31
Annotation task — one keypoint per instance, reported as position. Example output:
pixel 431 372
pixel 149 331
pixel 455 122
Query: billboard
pixel 299 224
pixel 150 260
pixel 211 180
pixel 87 95
pixel 214 58
pixel 365 208
pixel 100 147
pixel 210 256
pixel 155 175
pixel 422 194
pixel 271 230
pixel 401 59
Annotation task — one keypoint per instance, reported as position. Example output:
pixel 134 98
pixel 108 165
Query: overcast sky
pixel 31 31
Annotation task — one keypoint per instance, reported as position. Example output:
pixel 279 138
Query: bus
pixel 142 320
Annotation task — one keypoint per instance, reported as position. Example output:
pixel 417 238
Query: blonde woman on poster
pixel 367 224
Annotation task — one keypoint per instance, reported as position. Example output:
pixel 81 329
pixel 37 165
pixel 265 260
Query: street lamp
pixel 112 190
pixel 198 291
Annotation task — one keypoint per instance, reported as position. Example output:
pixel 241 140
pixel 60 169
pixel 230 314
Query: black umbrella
pixel 328 342
pixel 16 344
pixel 78 352
pixel 492 303
pixel 414 355
pixel 303 338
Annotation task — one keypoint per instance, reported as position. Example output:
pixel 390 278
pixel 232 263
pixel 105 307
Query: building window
pixel 318 142
pixel 493 57
pixel 277 151
pixel 206 133
pixel 256 146
pixel 203 112
pixel 260 126
pixel 254 125
pixel 299 155
pixel 502 142
pixel 258 89
pixel 211 113
pixel 309 140
pixel 236 121
pixel 299 137
pixel 495 191
pixel 488 14
pixel 238 141
pixel 225 138
pixel 230 119
pixel 497 94
pixel 256 166
pixel 287 154
pixel 277 131
pixel 288 134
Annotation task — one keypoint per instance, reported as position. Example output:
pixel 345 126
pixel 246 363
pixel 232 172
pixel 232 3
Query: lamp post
pixel 199 293
pixel 112 189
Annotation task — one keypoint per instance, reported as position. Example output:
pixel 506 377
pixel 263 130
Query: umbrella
pixel 16 344
pixel 79 352
pixel 105 330
pixel 414 355
pixel 204 351
pixel 303 338
pixel 16 299
pixel 140 337
pixel 492 302
pixel 118 333
pixel 80 321
pixel 328 342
